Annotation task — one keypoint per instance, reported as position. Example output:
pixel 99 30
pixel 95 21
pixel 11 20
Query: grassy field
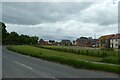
pixel 64 58
pixel 79 50
pixel 107 56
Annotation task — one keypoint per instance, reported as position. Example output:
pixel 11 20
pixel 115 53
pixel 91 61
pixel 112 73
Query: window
pixel 105 40
pixel 116 44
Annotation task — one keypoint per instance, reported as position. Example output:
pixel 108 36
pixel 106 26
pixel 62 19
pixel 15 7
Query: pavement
pixel 15 65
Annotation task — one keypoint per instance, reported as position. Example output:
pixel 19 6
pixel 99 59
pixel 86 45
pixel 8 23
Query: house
pixel 51 42
pixel 73 43
pixel 66 42
pixel 42 42
pixel 94 43
pixel 104 41
pixel 57 43
pixel 83 42
pixel 115 41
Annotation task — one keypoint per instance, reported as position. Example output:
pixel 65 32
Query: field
pixel 106 56
pixel 68 58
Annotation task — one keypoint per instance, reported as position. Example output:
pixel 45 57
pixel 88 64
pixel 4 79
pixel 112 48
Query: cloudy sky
pixel 61 20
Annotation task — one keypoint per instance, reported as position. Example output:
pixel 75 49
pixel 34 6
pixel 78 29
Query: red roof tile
pixel 106 37
pixel 117 36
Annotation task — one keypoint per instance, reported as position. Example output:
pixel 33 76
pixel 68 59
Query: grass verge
pixel 50 56
pixel 107 56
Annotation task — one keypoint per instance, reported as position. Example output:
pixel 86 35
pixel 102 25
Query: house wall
pixel 115 43
pixel 66 43
pixel 105 43
pixel 83 43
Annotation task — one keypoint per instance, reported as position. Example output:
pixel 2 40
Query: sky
pixel 61 20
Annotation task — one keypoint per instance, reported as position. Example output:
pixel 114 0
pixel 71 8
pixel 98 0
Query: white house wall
pixel 115 42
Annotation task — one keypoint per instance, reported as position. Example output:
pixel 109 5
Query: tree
pixel 14 38
pixel 4 32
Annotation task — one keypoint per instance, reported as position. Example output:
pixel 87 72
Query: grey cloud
pixel 53 31
pixel 0 11
pixel 35 13
pixel 103 18
pixel 99 13
pixel 60 20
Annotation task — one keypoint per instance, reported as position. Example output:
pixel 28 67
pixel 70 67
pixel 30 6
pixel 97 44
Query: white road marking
pixel 23 65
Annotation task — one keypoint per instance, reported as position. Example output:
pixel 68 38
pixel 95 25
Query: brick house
pixel 66 42
pixel 51 41
pixel 42 42
pixel 94 42
pixel 83 42
pixel 115 41
pixel 104 41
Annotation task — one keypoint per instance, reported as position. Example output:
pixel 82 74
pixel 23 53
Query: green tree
pixel 4 33
pixel 14 38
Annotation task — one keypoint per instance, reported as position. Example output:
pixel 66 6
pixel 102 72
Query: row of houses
pixel 109 41
pixel 53 42
pixel 86 42
pixel 106 41
pixel 82 42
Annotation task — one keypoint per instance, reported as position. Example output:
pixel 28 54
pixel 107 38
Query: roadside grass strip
pixel 63 58
pixel 107 55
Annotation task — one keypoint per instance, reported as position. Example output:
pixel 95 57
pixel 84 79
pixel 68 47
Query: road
pixel 20 66
pixel 0 61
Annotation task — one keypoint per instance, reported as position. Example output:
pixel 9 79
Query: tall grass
pixel 108 56
pixel 89 52
pixel 45 54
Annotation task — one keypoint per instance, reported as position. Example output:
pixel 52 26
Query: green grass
pixel 83 51
pixel 107 56
pixel 61 57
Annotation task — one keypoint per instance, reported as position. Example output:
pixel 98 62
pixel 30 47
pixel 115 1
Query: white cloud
pixel 62 30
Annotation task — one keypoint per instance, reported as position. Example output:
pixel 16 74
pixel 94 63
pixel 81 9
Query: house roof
pixel 83 39
pixel 41 40
pixel 65 40
pixel 106 37
pixel 117 36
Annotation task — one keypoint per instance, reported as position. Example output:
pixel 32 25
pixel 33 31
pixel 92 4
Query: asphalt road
pixel 0 61
pixel 20 66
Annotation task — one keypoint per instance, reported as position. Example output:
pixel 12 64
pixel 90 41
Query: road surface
pixel 20 66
